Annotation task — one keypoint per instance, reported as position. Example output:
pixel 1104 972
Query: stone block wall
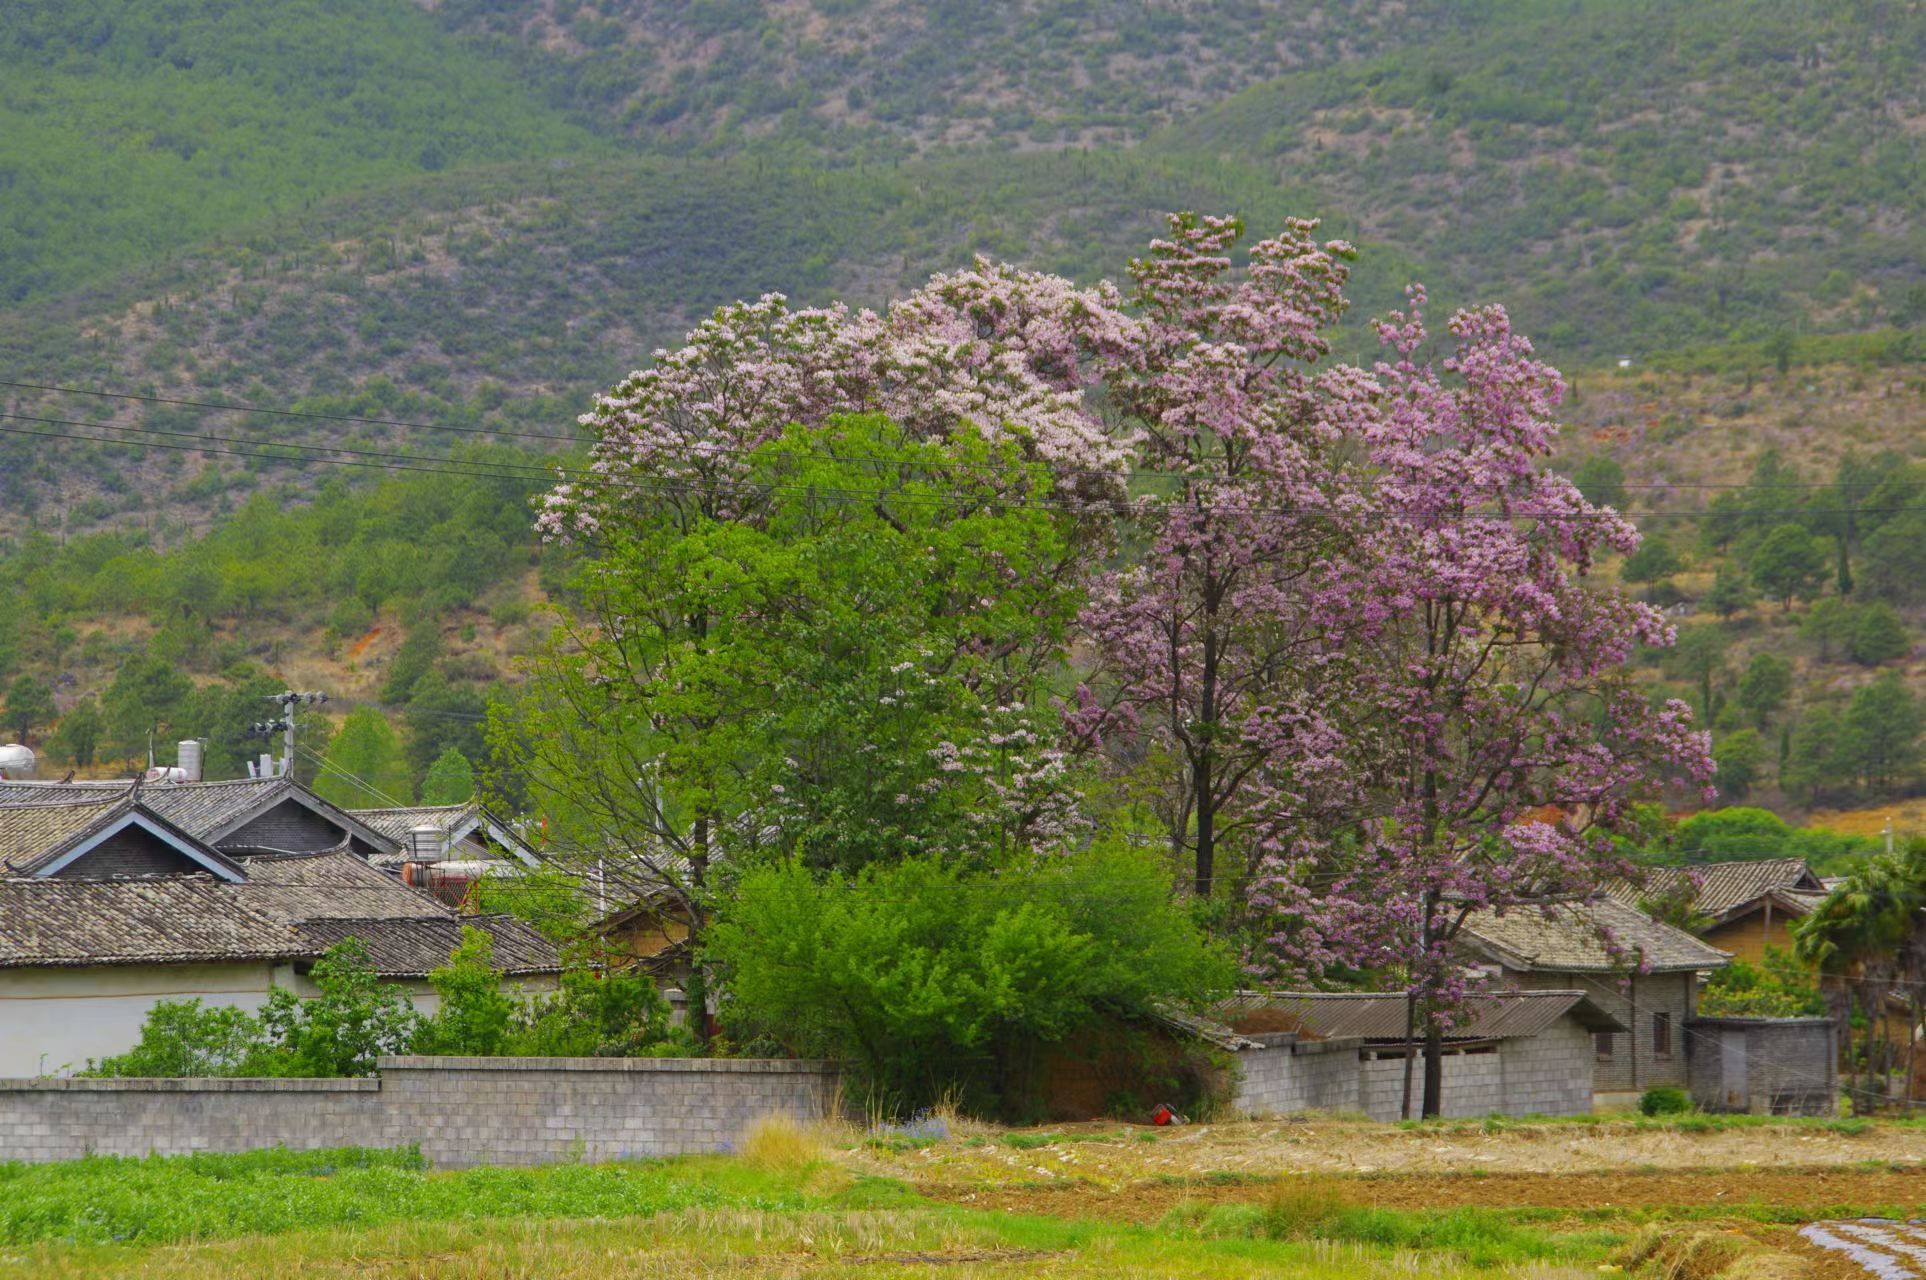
pixel 1635 1062
pixel 1765 1066
pixel 460 1111
pixel 1546 1074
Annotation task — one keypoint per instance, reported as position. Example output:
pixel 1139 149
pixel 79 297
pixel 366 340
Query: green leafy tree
pixel 1893 559
pixel 77 738
pixel 1699 656
pixel 1877 635
pixel 1654 559
pixel 475 1015
pixel 1602 480
pixel 1879 734
pixel 597 1012
pixel 1778 988
pixel 1867 942
pixel 1815 760
pixel 440 717
pixel 189 1038
pixel 451 780
pixel 1829 624
pixel 1730 592
pixel 1788 563
pixel 798 674
pixel 29 703
pixel 1764 687
pixel 929 975
pixel 1740 756
pixel 147 698
pixel 356 1019
pixel 364 767
pixel 419 652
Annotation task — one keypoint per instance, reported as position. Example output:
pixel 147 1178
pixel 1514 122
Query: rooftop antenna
pixel 287 700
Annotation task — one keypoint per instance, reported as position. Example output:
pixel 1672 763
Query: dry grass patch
pixel 1674 1253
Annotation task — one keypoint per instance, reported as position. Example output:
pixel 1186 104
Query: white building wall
pixel 53 1020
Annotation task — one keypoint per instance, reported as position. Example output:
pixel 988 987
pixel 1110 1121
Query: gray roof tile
pixel 1572 936
pixel 173 919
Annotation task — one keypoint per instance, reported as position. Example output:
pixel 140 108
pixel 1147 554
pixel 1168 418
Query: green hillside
pixel 128 130
pixel 456 221
pixel 1629 177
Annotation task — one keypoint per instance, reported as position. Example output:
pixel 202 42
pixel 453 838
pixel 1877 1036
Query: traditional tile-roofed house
pixel 1640 971
pixel 107 907
pixel 264 815
pixel 100 835
pixel 1748 906
pixel 463 833
pixel 446 849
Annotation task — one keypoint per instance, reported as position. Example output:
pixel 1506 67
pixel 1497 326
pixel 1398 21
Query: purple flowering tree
pixel 1495 736
pixel 1213 647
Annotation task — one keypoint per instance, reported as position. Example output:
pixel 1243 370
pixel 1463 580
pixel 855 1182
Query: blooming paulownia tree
pixel 1493 730
pixel 1214 643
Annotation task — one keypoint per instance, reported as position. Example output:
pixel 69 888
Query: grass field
pixel 1325 1199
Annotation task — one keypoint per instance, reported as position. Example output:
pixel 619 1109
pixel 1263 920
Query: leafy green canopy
pixel 844 680
pixel 932 977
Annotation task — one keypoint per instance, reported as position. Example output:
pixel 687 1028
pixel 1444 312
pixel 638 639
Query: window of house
pixel 1661 1035
pixel 1602 1044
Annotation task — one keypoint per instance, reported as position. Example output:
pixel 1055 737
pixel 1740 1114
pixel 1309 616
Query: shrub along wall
pixel 460 1111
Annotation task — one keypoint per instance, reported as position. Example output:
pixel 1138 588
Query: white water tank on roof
pixel 188 754
pixel 17 761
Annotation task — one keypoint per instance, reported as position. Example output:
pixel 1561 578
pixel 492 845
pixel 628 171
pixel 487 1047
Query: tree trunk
pixel 1433 1069
pixel 698 988
pixel 1410 1049
pixel 1204 768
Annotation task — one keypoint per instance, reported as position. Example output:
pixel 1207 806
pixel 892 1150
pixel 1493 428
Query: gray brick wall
pixel 461 1111
pixel 1546 1074
pixel 287 826
pixel 1765 1066
pixel 1635 1062
pixel 131 851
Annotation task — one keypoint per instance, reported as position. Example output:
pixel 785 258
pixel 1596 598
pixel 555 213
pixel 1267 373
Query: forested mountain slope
pixel 436 229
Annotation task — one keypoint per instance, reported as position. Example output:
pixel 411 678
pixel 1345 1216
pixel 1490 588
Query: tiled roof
pixel 310 886
pixel 165 920
pixel 1572 936
pixel 205 810
pixel 453 820
pixel 29 835
pixel 1380 1015
pixel 1725 887
pixel 414 948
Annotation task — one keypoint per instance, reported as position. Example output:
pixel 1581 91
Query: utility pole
pixel 287 700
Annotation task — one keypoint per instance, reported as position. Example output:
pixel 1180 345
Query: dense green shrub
pixel 930 978
pixel 1664 1100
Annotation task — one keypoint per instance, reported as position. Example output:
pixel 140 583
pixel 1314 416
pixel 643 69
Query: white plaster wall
pixel 53 1020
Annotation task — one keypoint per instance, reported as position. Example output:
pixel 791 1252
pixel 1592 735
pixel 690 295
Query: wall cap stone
pixel 188 1084
pixel 616 1066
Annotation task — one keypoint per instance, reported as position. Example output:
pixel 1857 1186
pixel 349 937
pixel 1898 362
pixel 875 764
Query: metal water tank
pixel 17 761
pixel 188 757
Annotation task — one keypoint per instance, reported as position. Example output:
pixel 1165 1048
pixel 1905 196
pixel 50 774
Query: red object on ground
pixel 1162 1115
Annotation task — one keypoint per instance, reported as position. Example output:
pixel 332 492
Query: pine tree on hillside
pixel 364 766
pixel 450 780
